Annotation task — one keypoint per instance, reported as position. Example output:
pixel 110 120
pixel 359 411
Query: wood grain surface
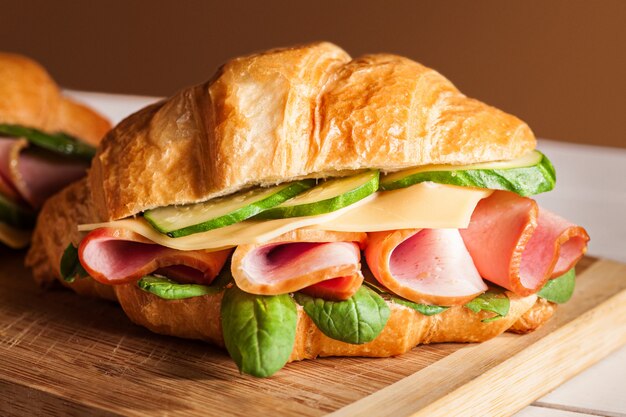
pixel 61 354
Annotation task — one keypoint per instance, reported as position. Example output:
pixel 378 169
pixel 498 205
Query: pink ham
pixel 118 256
pixel 430 266
pixel 34 174
pixel 39 174
pixel 518 245
pixel 336 289
pixel 300 259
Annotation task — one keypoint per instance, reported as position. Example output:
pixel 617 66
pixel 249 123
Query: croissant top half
pixel 29 97
pixel 306 111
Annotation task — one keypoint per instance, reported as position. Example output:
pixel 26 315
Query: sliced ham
pixel 119 256
pixel 430 266
pixel 38 174
pixel 336 289
pixel 300 259
pixel 518 245
pixel 34 174
pixel 184 274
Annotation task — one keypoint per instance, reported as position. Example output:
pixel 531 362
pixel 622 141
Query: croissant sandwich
pixel 302 203
pixel 45 144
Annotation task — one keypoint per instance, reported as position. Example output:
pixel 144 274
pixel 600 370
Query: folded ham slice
pixel 430 266
pixel 299 259
pixel 518 245
pixel 34 174
pixel 119 256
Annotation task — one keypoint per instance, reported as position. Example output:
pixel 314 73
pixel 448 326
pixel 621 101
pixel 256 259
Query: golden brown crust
pixel 81 122
pixel 193 318
pixel 292 113
pixel 55 229
pixel 31 98
pixel 540 313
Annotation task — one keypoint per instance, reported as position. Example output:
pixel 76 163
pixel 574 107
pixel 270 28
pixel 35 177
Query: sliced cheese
pixel 421 206
pixel 14 238
pixel 249 231
pixel 424 205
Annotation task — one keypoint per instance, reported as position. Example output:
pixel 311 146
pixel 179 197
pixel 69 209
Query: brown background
pixel 560 64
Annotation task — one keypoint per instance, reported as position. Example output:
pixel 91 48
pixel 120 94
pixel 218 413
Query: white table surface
pixel 590 191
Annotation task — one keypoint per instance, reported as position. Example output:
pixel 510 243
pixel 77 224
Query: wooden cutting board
pixel 61 354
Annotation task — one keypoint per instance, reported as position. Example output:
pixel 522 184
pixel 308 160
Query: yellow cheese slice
pixel 421 206
pixel 249 231
pixel 14 238
pixel 424 205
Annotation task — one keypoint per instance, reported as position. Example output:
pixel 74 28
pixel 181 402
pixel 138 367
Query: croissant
pixel 37 157
pixel 283 115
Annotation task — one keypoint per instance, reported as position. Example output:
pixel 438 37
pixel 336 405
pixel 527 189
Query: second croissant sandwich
pixel 46 143
pixel 302 203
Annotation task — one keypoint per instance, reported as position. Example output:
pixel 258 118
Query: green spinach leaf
pixel 425 309
pixel 559 289
pixel 171 290
pixel 70 265
pixel 357 320
pixel 259 330
pixel 494 300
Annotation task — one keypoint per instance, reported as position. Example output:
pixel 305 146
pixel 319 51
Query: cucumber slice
pixel 15 215
pixel 327 196
pixel 178 221
pixel 531 174
pixel 55 142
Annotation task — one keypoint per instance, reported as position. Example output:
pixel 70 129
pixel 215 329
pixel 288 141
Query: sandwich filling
pixel 33 166
pixel 430 240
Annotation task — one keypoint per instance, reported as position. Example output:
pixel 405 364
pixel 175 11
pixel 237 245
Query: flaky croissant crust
pixel 306 111
pixel 200 318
